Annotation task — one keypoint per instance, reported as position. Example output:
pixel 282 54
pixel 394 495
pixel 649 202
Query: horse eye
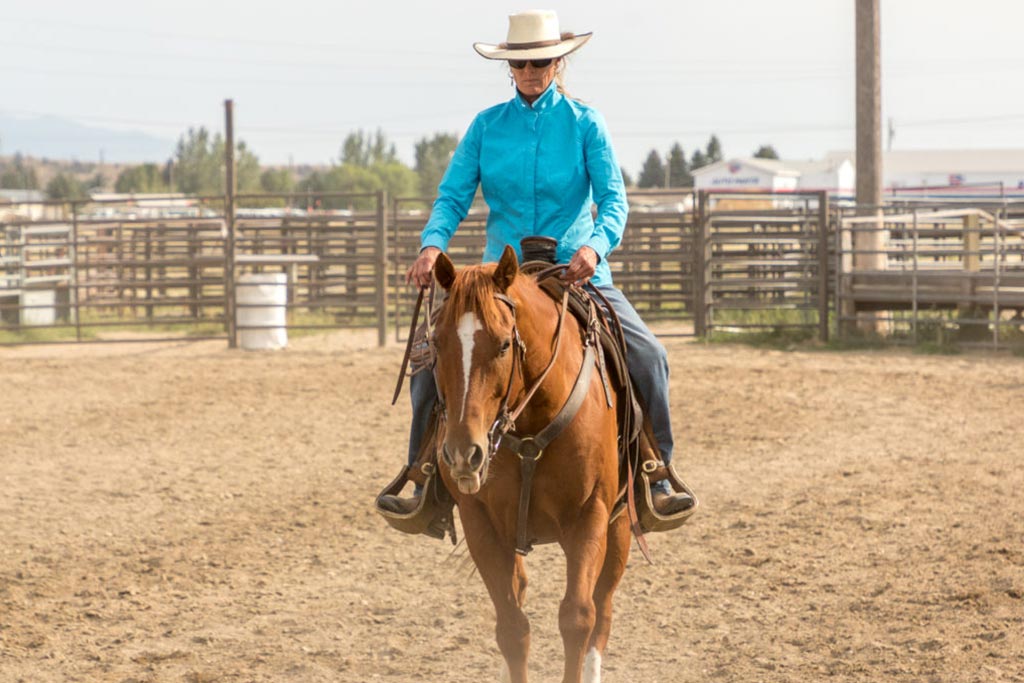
pixel 505 346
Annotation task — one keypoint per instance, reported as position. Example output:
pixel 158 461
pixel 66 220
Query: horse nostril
pixel 446 456
pixel 476 460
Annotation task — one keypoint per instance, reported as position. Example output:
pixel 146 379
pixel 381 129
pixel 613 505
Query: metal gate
pixel 763 262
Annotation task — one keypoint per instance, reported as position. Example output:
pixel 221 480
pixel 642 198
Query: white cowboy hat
pixel 533 35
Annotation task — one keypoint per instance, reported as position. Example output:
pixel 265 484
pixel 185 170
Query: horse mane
pixel 474 290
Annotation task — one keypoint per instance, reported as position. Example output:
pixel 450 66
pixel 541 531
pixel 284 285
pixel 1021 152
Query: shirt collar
pixel 548 99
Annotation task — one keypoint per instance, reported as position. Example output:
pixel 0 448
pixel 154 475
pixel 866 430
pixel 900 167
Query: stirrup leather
pixel 432 517
pixel 650 519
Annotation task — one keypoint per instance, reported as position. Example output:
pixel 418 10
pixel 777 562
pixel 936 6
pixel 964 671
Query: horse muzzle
pixel 468 466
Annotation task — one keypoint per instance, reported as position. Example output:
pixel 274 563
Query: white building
pixel 773 175
pixel 25 204
pixel 988 171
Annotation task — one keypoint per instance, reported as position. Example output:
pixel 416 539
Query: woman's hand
pixel 419 272
pixel 581 267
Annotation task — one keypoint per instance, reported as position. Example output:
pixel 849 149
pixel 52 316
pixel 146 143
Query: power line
pixel 135 55
pixel 220 40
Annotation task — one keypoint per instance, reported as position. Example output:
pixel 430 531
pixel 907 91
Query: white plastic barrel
pixel 261 299
pixel 39 307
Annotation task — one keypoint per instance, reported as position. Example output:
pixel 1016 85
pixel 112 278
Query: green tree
pixel 397 179
pixel 432 157
pixel 653 172
pixel 766 152
pixel 199 164
pixel 714 150
pixel 65 186
pixel 19 176
pixel 197 168
pixel 698 160
pixel 347 178
pixel 247 167
pixel 146 178
pixel 277 181
pixel 363 149
pixel 678 170
pixel 97 182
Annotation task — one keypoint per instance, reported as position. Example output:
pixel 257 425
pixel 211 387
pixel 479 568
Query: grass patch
pixel 857 342
pixel 38 335
pixel 784 338
pixel 936 349
pixel 776 328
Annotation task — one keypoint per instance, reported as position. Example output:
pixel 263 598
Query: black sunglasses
pixel 535 63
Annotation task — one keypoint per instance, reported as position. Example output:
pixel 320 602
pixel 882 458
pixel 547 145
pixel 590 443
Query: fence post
pixel 229 216
pixel 699 262
pixel 74 271
pixel 395 253
pixel 969 309
pixel 382 268
pixel 823 266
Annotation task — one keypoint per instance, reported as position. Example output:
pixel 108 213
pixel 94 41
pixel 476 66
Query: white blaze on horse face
pixel 592 667
pixel 469 325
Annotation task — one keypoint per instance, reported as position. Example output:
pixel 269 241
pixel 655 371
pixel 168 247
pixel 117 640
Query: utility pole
pixel 229 217
pixel 867 240
pixel 869 107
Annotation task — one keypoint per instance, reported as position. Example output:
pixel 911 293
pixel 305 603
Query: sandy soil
pixel 186 513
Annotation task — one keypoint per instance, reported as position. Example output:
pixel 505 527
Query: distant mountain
pixel 58 138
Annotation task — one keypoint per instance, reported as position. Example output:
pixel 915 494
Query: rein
pixel 506 418
pixel 530 448
pixel 409 344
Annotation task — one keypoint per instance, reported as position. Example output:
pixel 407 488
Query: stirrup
pixel 432 517
pixel 650 519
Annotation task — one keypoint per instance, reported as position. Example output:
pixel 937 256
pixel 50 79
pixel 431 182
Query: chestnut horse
pixel 489 309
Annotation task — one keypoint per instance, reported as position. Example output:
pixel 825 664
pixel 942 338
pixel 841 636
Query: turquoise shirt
pixel 541 168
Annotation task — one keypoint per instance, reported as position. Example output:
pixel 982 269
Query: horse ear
pixel 508 268
pixel 444 271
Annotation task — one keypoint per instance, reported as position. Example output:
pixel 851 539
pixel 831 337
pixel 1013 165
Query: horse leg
pixel 585 548
pixel 504 574
pixel 611 573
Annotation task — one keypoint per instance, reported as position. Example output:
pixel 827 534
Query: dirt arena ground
pixel 185 513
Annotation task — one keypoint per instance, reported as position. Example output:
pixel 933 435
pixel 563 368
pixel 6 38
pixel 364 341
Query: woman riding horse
pixel 542 159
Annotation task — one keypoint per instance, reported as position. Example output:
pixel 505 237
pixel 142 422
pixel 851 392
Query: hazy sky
pixel 304 73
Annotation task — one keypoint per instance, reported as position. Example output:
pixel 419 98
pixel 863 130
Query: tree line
pixel 675 170
pixel 366 162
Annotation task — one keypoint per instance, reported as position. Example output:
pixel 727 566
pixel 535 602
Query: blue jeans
pixel 648 366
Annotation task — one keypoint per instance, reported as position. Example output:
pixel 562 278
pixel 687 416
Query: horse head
pixel 476 341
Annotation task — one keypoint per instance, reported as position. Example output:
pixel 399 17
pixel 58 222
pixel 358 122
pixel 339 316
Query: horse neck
pixel 537 320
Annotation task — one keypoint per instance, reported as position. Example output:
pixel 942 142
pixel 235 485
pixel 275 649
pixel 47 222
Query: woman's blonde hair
pixel 560 77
